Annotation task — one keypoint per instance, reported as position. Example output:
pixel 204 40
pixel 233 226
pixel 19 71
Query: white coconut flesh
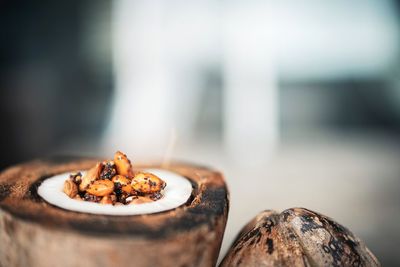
pixel 176 193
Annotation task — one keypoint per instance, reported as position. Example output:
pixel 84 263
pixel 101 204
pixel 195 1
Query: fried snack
pixel 101 188
pixel 147 183
pixel 123 164
pixel 70 188
pixel 124 183
pixel 114 182
pixel 92 175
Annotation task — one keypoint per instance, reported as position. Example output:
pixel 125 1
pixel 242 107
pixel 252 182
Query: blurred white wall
pixel 163 48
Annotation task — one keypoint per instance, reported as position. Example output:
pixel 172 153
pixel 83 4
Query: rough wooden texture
pixel 297 237
pixel 35 233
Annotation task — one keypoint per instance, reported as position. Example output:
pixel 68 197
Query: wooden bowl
pixel 35 233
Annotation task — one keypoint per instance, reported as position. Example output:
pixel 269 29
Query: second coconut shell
pixel 297 237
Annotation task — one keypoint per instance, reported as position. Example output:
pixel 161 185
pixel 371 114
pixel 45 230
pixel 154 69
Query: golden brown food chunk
pixel 128 189
pixel 101 188
pixel 123 164
pixel 92 175
pixel 121 180
pixel 124 183
pixel 147 183
pixel 70 188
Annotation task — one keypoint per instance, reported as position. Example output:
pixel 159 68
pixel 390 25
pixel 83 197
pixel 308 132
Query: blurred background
pixel 300 97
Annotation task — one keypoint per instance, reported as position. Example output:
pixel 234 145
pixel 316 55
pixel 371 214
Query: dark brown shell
pixel 297 237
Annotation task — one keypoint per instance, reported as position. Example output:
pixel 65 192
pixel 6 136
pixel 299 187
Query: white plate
pixel 176 193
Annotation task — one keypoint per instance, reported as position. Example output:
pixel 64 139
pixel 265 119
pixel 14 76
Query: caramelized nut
pixel 147 183
pixel 124 182
pixel 121 180
pixel 92 175
pixel 128 189
pixel 70 188
pixel 123 164
pixel 101 188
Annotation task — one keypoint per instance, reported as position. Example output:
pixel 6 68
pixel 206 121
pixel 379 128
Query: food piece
pixel 121 180
pixel 297 237
pixel 123 164
pixel 91 198
pixel 101 188
pixel 123 183
pixel 109 170
pixel 128 189
pixel 70 188
pixel 147 183
pixel 92 175
pixel 76 177
pixel 113 181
